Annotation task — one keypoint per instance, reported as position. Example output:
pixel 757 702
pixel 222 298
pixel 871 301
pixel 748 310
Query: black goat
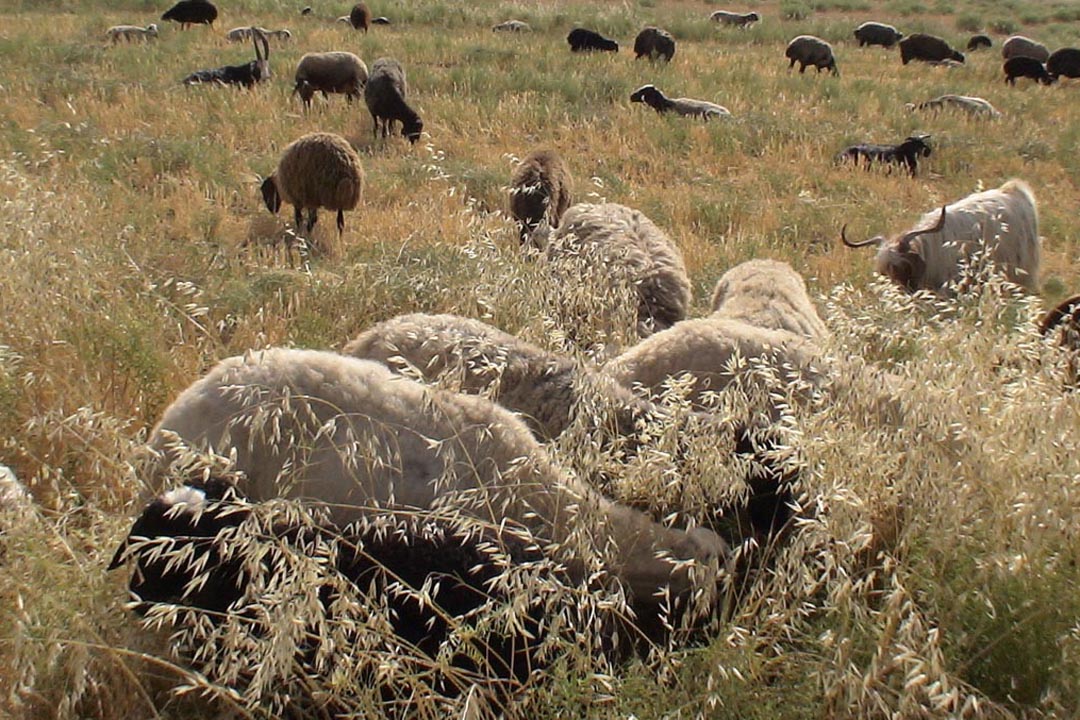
pixel 192 12
pixel 247 74
pixel 906 152
pixel 1027 67
pixel 581 39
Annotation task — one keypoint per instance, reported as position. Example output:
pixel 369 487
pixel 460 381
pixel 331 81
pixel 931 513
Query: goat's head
pixel 916 145
pixel 901 260
pixel 262 62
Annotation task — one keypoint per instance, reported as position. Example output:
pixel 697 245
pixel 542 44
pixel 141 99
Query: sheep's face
pixel 270 194
pixel 957 56
pixel 412 130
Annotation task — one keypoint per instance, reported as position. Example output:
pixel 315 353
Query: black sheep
pixel 1016 67
pixel 979 41
pixel 927 48
pixel 906 153
pixel 192 12
pixel 384 95
pixel 873 33
pixel 247 75
pixel 1064 62
pixel 654 43
pixel 581 39
pixel 360 17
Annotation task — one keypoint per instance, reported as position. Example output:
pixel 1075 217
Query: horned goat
pixel 540 191
pixel 247 75
pixel 192 12
pixel 330 72
pixel 385 94
pixel 131 33
pixel 904 153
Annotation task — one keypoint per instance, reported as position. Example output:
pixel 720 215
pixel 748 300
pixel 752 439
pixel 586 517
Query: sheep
pixel 380 20
pixel 385 97
pixel 348 435
pixel 630 249
pixel 248 75
pixel 810 50
pixel 581 40
pixel 874 33
pixel 360 17
pixel 767 294
pixel 974 106
pixel 1002 222
pixel 131 33
pixel 1020 46
pixel 344 20
pixel 540 191
pixel 16 503
pixel 654 43
pixel 1064 62
pixel 192 12
pixel 512 26
pixel 238 34
pixel 906 153
pixel 330 72
pixel 318 170
pixel 1021 66
pixel 927 48
pixel 979 41
pixel 1062 325
pixel 739 20
pixel 654 98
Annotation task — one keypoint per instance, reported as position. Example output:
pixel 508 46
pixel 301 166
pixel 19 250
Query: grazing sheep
pixel 248 75
pixel 927 48
pixel 349 435
pixel 306 10
pixel 1002 224
pixel 630 249
pixel 540 191
pixel 1064 63
pixel 654 98
pixel 974 106
pixel 906 153
pixel 238 34
pixel 512 26
pixel 1062 325
pixel 1020 46
pixel 381 20
pixel 319 170
pixel 385 97
pixel 739 20
pixel 1016 67
pixel 767 294
pixel 809 50
pixel 874 33
pixel 360 17
pixel 344 20
pixel 192 12
pixel 131 33
pixel 654 43
pixel 330 72
pixel 979 41
pixel 581 40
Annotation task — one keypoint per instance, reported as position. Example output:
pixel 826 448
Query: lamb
pixel 385 97
pixel 239 34
pixel 318 170
pixel 248 75
pixel 927 48
pixel 654 43
pixel 973 106
pixel 329 72
pixel 349 436
pixel 192 12
pixel 131 33
pixel 767 294
pixel 1064 63
pixel 809 50
pixel 661 103
pixel 582 40
pixel 512 26
pixel 627 247
pixel 1002 224
pixel 1020 46
pixel 979 41
pixel 360 17
pixel 739 20
pixel 1021 66
pixel 906 153
pixel 540 191
pixel 874 33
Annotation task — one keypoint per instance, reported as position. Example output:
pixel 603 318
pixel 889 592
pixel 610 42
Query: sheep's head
pixel 753 17
pixel 412 128
pixel 957 56
pixel 152 29
pixel 271 195
pixel 305 90
pixel 647 94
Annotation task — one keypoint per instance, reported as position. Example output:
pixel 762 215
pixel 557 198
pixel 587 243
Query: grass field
pixel 939 576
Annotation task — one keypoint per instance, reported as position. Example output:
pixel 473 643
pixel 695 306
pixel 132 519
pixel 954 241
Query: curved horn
pixel 872 241
pixel 257 35
pixel 937 227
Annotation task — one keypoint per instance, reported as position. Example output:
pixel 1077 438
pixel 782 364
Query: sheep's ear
pixel 271 196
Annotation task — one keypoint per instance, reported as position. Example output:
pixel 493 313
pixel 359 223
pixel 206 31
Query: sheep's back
pixel 336 70
pixel 321 170
pixel 386 85
pixel 767 294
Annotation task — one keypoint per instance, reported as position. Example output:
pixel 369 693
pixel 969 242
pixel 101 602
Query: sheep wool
pixel 767 294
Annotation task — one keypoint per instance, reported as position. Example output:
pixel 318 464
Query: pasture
pixel 936 571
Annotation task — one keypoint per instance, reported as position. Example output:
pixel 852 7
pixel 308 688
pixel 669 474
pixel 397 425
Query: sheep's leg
pixel 375 126
pixel 298 218
pixel 313 216
pixel 340 222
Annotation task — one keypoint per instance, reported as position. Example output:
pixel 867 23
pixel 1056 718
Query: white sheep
pixel 1002 224
pixel 740 20
pixel 767 294
pixel 131 33
pixel 350 435
pixel 973 106
pixel 238 34
pixel 516 26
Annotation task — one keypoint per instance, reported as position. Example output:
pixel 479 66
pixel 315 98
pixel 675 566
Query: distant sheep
pixel 1020 66
pixel 1003 223
pixel 874 33
pixel 131 33
pixel 540 191
pixel 978 42
pixel 927 48
pixel 319 170
pixel 192 12
pixel 512 26
pixel 385 94
pixel 974 106
pixel 655 44
pixel 767 294
pixel 330 72
pixel 581 40
pixel 380 20
pixel 239 34
pixel 740 20
pixel 661 103
pixel 905 153
pixel 808 50
pixel 360 17
pixel 1020 46
pixel 1064 63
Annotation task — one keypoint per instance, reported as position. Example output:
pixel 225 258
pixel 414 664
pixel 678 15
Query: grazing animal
pixel 874 33
pixel 360 17
pixel 192 12
pixel 330 72
pixel 131 33
pixel 1062 324
pixel 16 502
pixel 1002 223
pixel 306 10
pixel 344 20
pixel 974 106
pixel 248 74
pixel 1020 66
pixel 808 50
pixel 582 40
pixel 661 103
pixel 381 20
pixel 1020 46
pixel 540 191
pixel 739 20
pixel 319 170
pixel 512 26
pixel 238 34
pixel 978 42
pixel 927 48
pixel 654 43
pixel 906 153
pixel 768 294
pixel 1064 63
pixel 350 436
pixel 385 94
